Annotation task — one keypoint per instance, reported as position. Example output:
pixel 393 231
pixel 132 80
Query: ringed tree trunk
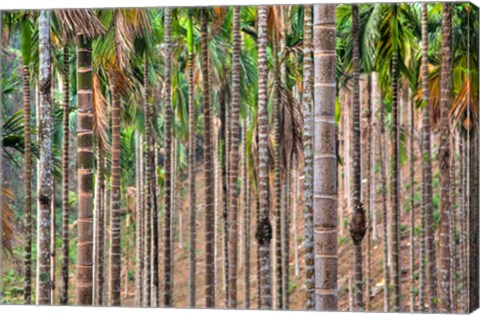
pixel 308 153
pixel 246 215
pixel 325 159
pixel 45 173
pixel 358 224
pixel 191 167
pixel 277 182
pixel 427 237
pixel 209 172
pixel 27 175
pixel 85 174
pixel 147 194
pixel 115 224
pixel 395 177
pixel 65 178
pixel 99 227
pixel 264 227
pixel 412 204
pixel 167 237
pixel 234 161
pixel 444 159
pixel 139 235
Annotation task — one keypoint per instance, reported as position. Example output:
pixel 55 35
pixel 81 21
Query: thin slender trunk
pixel 427 238
pixel 234 161
pixel 461 218
pixel 412 203
pixel 99 227
pixel 358 222
pixel 453 225
pixel 325 159
pixel 295 206
pixel 65 178
pixel 473 220
pixel 365 109
pixel 45 172
pixel 167 236
pixel 192 180
pixel 209 180
pixel 395 176
pixel 139 262
pixel 373 155
pixel 308 155
pixel 286 237
pixel 115 224
pixel 246 216
pixel 27 177
pixel 53 231
pixel 277 185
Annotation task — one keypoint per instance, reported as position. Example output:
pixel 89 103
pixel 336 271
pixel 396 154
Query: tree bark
pixel 167 236
pixel 325 159
pixel 45 173
pixel 308 154
pixel 209 180
pixel 427 238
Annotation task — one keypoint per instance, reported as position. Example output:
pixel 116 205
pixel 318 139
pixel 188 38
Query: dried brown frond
pixel 74 22
pixel 7 222
pixel 128 25
pixel 464 103
pixel 101 123
pixel 274 22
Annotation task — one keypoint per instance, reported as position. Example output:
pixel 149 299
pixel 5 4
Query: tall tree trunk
pixel 325 160
pixel 234 161
pixel 365 109
pixel 444 160
pixel 27 178
pixel 277 184
pixel 139 235
pixel 115 224
pixel 453 224
pixel 85 174
pixel 99 227
pixel 45 173
pixel 246 216
pixel 65 178
pixel 358 223
pixel 191 171
pixel 473 220
pixel 396 273
pixel 53 231
pixel 209 180
pixel 147 193
pixel 427 238
pixel 412 203
pixel 308 153
pixel 383 170
pixel 264 227
pixel 286 237
pixel 374 92
pixel 461 218
pixel 224 166
pixel 167 236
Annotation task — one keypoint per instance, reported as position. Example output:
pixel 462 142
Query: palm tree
pixel 139 223
pixel 85 173
pixel 395 170
pixel 264 228
pixel 209 176
pixel 277 177
pixel 444 159
pixel 307 144
pixel 427 238
pixel 325 158
pixel 168 262
pixel 27 167
pixel 45 173
pixel 234 160
pixel 191 163
pixel 65 179
pixel 358 223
